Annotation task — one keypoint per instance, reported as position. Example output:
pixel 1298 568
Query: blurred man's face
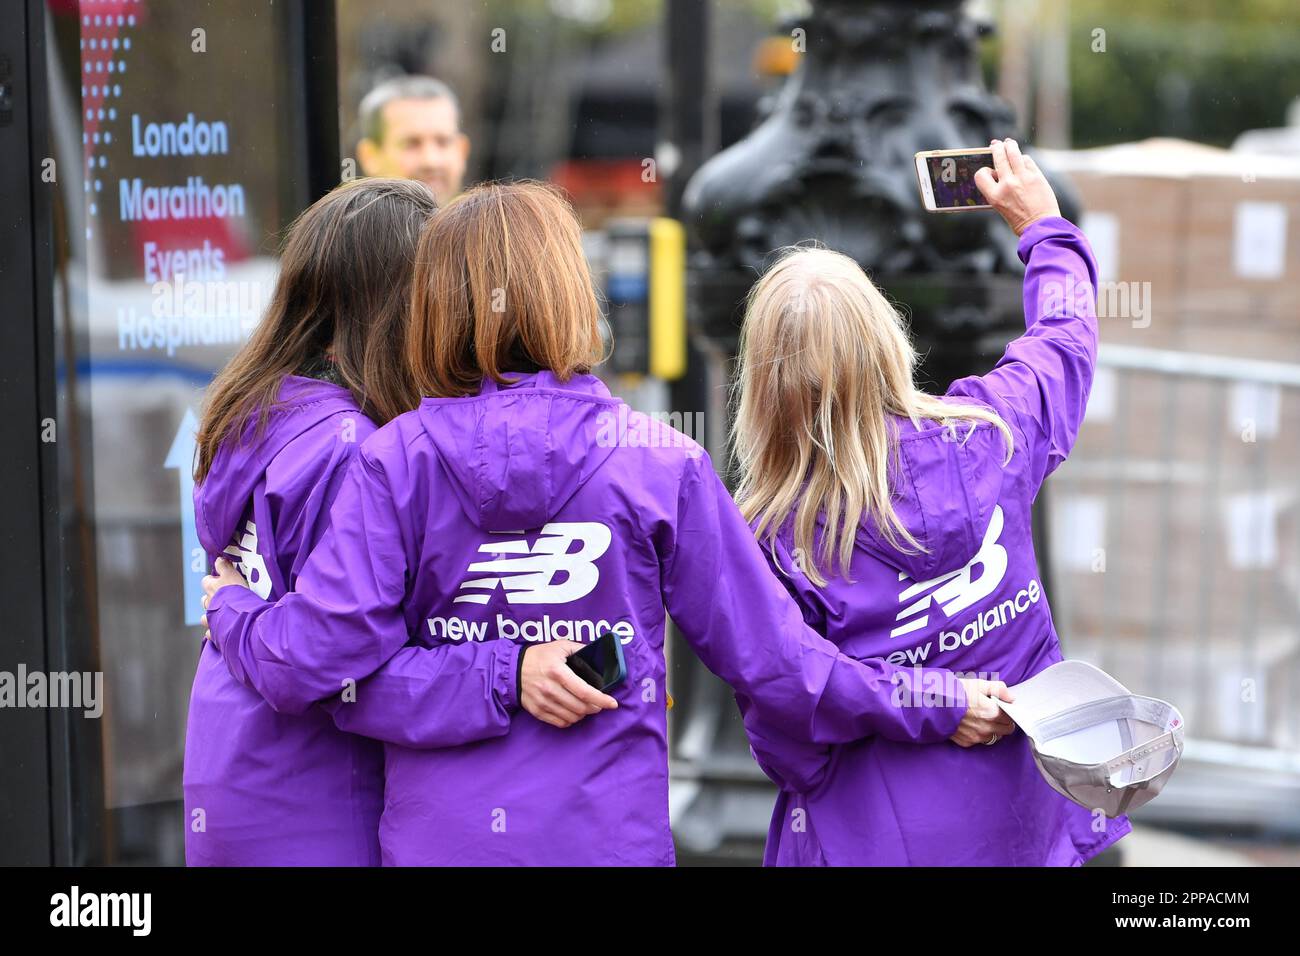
pixel 422 140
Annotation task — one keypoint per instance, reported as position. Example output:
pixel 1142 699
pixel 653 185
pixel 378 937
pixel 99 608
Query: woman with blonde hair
pixel 519 511
pixel 901 524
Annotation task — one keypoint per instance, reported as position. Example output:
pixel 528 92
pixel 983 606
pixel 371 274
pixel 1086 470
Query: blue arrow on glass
pixel 193 560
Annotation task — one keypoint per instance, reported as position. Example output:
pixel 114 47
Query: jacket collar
pixel 545 379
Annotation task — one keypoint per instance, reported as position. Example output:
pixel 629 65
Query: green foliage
pixel 1187 77
pixel 1204 70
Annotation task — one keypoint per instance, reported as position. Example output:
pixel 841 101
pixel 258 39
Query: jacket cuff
pixel 241 600
pixel 506 681
pixel 950 720
pixel 940 695
pixel 1043 229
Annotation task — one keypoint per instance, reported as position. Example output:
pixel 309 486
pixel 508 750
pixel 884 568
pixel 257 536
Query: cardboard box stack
pixel 1176 522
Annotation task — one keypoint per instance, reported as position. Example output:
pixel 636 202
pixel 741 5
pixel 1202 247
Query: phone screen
pixel 952 178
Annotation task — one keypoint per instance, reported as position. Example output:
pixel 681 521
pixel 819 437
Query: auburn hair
pixel 501 285
pixel 344 290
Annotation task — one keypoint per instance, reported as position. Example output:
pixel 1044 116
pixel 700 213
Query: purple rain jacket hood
pixel 309 415
pixel 974 606
pixel 537 511
pixel 263 788
pixel 946 484
pixel 514 462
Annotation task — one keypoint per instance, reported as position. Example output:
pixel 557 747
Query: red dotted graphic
pixel 107 27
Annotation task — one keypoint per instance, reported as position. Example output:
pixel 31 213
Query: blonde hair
pixel 824 359
pixel 501 285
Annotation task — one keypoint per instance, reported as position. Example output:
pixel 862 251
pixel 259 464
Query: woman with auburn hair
pixel 901 524
pixel 280 424
pixel 506 520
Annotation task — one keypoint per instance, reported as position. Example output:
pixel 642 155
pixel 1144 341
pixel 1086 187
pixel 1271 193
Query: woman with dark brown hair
pixel 520 512
pixel 280 422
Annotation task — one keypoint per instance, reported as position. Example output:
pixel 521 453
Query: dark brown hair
pixel 344 285
pixel 501 284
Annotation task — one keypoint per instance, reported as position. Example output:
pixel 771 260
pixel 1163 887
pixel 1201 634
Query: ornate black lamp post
pixel 833 160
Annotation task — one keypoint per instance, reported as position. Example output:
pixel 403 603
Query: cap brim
pixel 1064 685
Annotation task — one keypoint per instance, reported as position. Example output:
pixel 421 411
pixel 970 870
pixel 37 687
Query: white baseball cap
pixel 1093 741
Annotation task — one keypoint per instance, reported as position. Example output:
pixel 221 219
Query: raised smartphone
pixel 947 178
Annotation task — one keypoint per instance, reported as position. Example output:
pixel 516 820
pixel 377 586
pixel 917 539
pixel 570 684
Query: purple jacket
pixel 538 511
pixel 974 604
pixel 263 788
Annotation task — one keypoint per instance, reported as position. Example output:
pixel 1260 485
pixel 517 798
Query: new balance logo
pixel 244 552
pixel 956 590
pixel 535 577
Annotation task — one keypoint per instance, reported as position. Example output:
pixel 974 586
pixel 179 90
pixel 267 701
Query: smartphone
pixel 947 178
pixel 600 663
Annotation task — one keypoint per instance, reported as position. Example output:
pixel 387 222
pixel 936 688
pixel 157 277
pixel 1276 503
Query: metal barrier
pixel 1175 554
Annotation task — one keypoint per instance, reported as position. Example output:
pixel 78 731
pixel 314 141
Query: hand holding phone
pixel 551 691
pixel 999 177
pixel 1016 187
pixel 601 663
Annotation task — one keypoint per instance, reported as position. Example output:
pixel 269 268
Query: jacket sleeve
pixel 344 622
pixel 302 516
pixel 1041 384
pixel 748 631
pixel 425 697
pixel 791 764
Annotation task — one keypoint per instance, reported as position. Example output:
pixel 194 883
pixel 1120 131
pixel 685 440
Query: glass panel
pixel 177 171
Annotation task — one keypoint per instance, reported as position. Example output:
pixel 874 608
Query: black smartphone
pixel 600 663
